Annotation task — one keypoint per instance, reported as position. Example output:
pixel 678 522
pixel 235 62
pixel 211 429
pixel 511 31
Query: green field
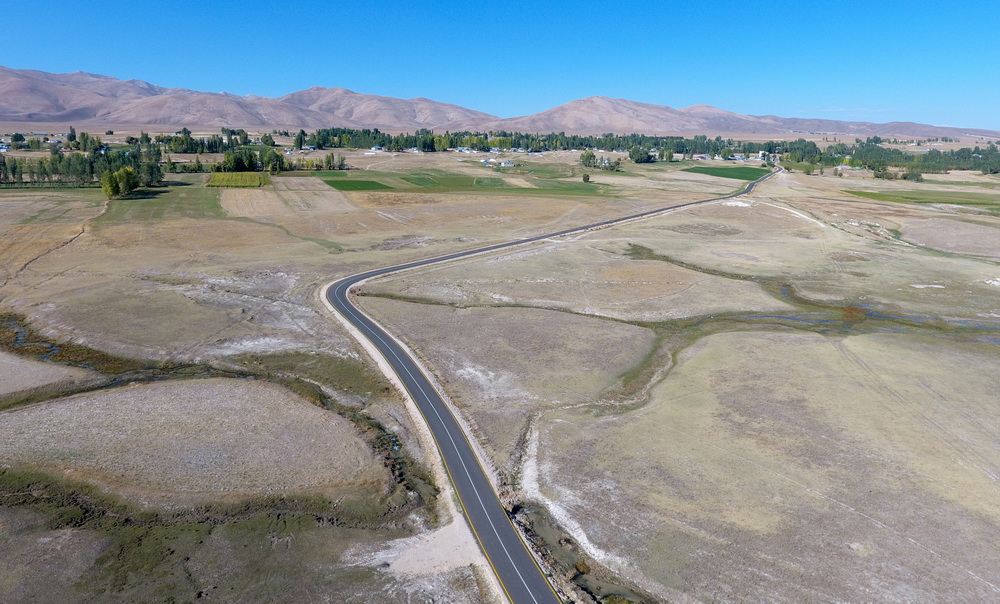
pixel 739 172
pixel 490 183
pixel 546 171
pixel 953 197
pixel 420 181
pixel 962 183
pixel 242 180
pixel 357 185
pixel 183 196
pixel 546 179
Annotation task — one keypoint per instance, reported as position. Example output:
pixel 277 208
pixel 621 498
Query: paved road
pixel 519 575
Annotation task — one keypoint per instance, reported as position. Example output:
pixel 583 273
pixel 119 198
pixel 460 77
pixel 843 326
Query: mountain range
pixel 86 98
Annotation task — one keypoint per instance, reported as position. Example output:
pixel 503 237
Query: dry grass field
pixel 826 428
pixel 253 560
pixel 785 397
pixel 794 467
pixel 504 365
pixel 22 374
pixel 189 447
pixel 189 274
pixel 179 443
pixel 592 276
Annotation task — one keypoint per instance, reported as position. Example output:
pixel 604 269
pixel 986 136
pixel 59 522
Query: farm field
pixel 985 202
pixel 741 172
pixel 758 392
pixel 238 179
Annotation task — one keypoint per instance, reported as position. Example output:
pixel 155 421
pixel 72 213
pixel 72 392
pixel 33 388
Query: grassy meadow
pixel 738 172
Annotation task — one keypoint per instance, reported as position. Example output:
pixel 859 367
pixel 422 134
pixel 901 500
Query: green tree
pixel 586 178
pixel 128 180
pixel 588 159
pixel 640 155
pixel 109 184
pixel 267 139
pixel 72 135
pixel 149 173
pixel 272 161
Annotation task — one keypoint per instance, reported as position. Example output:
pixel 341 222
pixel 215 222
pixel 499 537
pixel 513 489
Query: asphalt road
pixel 520 576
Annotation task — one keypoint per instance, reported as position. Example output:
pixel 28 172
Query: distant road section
pixel 520 576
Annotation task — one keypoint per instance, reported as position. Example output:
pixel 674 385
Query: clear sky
pixel 923 61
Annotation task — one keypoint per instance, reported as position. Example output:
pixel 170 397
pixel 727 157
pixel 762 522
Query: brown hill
pixel 37 96
pixel 382 112
pixel 598 114
pixel 592 115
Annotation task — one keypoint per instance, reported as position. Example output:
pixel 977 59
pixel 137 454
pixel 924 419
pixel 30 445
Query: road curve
pixel 520 577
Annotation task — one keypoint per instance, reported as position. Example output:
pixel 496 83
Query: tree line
pixel 79 169
pixel 144 154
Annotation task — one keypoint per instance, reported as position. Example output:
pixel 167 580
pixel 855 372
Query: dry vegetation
pixel 178 443
pixel 21 374
pixel 792 467
pixel 826 430
pixel 785 397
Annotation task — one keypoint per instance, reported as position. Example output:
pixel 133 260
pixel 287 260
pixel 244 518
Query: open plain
pixel 787 396
pixel 814 421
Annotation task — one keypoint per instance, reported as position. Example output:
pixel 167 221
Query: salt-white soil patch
pixel 431 553
pixel 922 286
pixel 799 214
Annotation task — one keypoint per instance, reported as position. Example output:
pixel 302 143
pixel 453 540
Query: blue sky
pixel 922 61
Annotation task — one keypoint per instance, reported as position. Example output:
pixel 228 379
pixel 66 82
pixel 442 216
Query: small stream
pixel 21 341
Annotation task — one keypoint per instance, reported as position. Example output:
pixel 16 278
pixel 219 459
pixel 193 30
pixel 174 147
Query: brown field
pixel 206 440
pixel 803 451
pixel 787 467
pixel 523 361
pixel 786 397
pixel 22 374
pixel 592 276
